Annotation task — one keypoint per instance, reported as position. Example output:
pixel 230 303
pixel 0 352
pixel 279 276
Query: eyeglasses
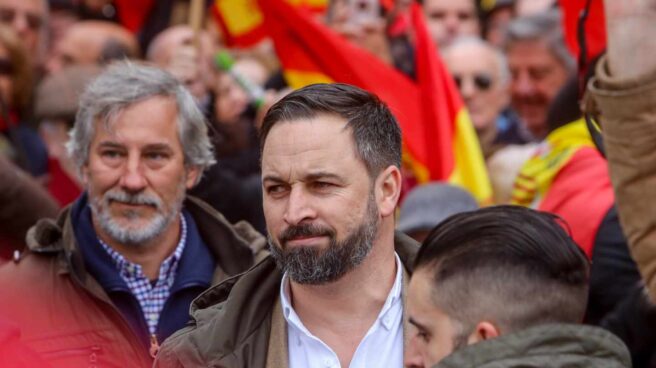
pixel 5 67
pixel 482 81
pixel 33 21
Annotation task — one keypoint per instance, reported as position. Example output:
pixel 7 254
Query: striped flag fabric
pixel 242 21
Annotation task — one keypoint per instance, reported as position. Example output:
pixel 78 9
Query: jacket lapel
pixel 278 350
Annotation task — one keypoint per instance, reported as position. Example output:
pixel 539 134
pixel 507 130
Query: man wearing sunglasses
pixel 27 18
pixel 481 74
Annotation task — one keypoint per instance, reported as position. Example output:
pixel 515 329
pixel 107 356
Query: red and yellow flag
pixel 241 21
pixel 132 14
pixel 568 176
pixel 595 26
pixel 452 151
pixel 438 138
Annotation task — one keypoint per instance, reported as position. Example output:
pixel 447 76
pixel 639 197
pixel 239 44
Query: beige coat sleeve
pixel 628 118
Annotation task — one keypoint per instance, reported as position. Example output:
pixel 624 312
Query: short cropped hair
pixel 375 131
pixel 544 26
pixel 511 265
pixel 122 85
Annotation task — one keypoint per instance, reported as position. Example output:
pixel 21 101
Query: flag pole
pixel 196 10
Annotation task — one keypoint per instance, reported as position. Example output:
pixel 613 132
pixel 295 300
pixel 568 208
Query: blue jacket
pixel 194 275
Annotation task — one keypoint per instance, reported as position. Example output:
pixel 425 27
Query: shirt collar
pixel 132 270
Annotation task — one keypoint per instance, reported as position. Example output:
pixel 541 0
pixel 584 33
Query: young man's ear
pixel 388 190
pixel 484 331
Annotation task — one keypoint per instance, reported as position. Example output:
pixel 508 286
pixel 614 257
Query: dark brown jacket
pixel 66 316
pixel 23 201
pixel 232 322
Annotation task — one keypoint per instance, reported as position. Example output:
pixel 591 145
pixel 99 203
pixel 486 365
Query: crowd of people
pixel 167 200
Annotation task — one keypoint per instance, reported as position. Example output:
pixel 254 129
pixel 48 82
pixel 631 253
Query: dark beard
pixel 314 266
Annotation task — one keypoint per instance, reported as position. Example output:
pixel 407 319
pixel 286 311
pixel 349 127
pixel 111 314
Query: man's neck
pixel 340 313
pixel 486 137
pixel 150 254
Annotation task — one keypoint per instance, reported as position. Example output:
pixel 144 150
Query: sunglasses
pixel 34 21
pixel 482 81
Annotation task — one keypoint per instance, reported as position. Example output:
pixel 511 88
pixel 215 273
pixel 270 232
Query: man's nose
pixel 133 178
pixel 412 358
pixel 467 89
pixel 452 24
pixel 299 207
pixel 20 23
pixel 523 84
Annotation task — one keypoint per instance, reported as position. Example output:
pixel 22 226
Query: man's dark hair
pixel 375 131
pixel 510 265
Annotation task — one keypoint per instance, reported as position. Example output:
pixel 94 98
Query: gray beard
pixel 314 266
pixel 128 235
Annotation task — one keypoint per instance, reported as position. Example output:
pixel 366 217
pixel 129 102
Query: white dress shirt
pixel 382 346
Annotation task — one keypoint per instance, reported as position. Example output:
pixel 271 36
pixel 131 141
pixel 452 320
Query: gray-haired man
pixel 116 273
pixel 539 65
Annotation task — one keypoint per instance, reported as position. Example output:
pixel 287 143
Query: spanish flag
pixel 568 176
pixel 242 21
pixel 132 14
pixel 439 141
pixel 595 26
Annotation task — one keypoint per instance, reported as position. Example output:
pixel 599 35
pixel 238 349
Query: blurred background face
pixel 174 51
pixel 87 42
pixel 6 88
pixel 26 17
pixel 497 22
pixel 448 19
pixel 537 76
pixel 361 22
pixel 231 100
pixel 477 73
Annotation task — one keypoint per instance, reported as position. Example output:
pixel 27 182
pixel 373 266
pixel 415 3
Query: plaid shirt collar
pixel 151 296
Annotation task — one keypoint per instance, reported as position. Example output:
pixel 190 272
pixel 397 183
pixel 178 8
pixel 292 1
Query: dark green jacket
pixel 231 322
pixel 547 346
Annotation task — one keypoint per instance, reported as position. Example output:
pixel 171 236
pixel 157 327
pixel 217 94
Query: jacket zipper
pixel 115 311
pixel 154 346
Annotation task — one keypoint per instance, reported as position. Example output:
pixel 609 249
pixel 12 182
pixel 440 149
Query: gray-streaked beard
pixel 129 235
pixel 315 266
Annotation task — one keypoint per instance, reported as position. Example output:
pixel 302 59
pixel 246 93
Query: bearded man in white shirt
pixel 331 293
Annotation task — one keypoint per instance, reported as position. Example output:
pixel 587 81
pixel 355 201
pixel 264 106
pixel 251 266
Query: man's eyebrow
pixel 110 144
pixel 272 178
pixel 158 147
pixel 323 175
pixel 417 324
pixel 309 177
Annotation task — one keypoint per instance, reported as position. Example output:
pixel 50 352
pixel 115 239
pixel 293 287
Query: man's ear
pixel 484 331
pixel 388 190
pixel 193 176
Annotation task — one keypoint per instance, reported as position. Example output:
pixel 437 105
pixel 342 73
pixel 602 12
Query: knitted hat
pixel 428 205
